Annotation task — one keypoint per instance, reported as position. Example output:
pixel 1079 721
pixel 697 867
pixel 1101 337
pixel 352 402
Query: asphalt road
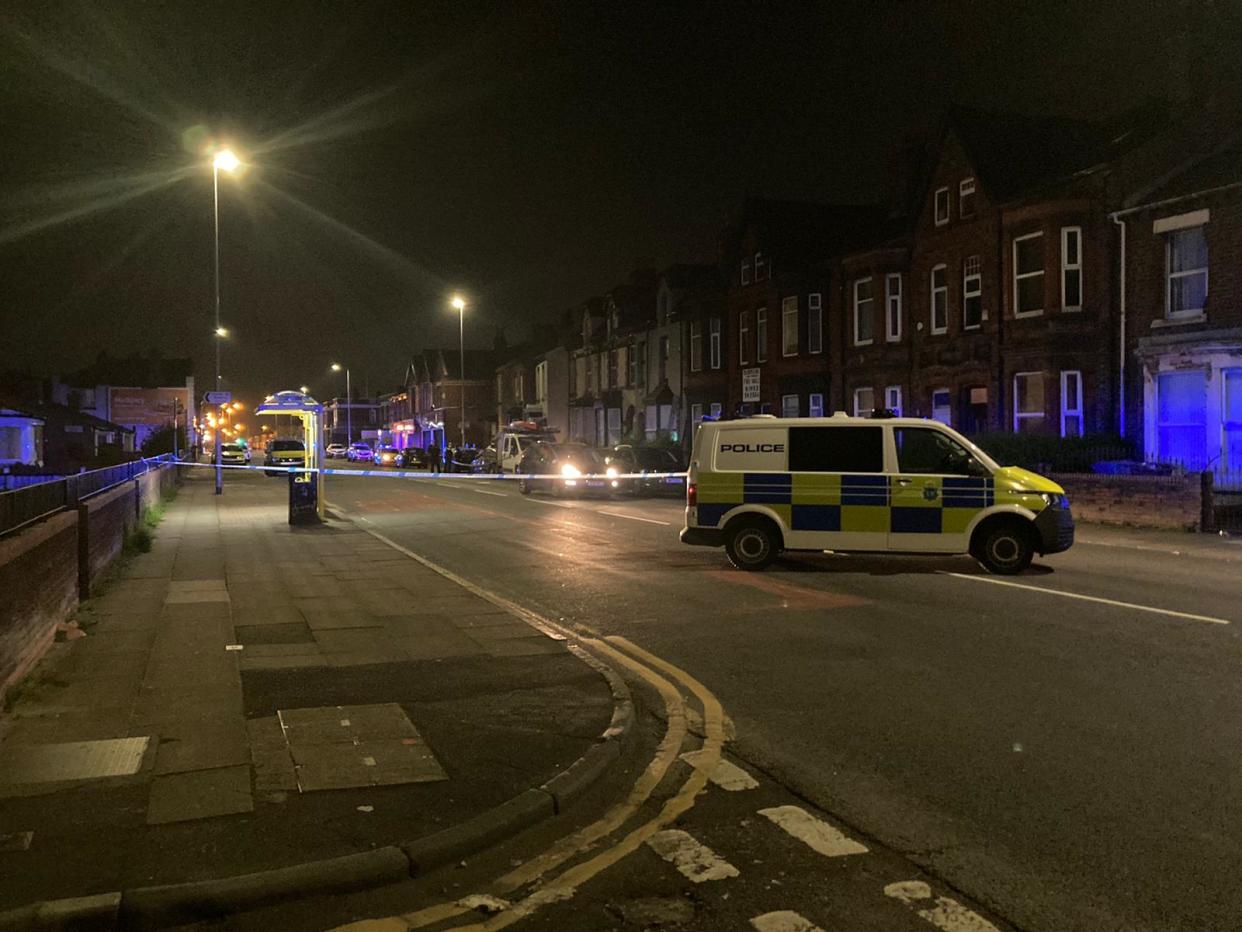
pixel 1061 747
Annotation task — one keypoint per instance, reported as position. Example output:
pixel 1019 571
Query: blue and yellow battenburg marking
pixel 850 503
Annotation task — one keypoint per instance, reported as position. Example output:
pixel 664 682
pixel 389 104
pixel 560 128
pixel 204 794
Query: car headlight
pixel 1054 499
pixel 570 471
pixel 611 472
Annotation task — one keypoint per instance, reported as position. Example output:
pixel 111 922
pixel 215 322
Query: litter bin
pixel 303 498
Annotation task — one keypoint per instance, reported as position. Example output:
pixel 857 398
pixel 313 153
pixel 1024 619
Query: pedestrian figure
pixel 433 457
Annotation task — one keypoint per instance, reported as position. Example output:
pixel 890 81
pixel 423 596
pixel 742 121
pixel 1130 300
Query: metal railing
pixel 22 506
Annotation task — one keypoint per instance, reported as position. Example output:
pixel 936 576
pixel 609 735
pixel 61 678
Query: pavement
pixel 251 697
pixel 1053 750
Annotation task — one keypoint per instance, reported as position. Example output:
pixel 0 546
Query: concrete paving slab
pixel 525 647
pixel 329 621
pixel 220 744
pixel 199 794
pixel 290 662
pixel 352 640
pixel 438 646
pixel 197 595
pixel 361 658
pixel 515 629
pixel 258 635
pixel 196 585
pixel 75 760
pixel 410 625
pixel 467 621
pixel 267 615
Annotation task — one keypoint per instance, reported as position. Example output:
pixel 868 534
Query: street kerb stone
pixel 524 647
pixel 199 794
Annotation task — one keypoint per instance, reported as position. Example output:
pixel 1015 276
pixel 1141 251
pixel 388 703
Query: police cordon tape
pixel 424 474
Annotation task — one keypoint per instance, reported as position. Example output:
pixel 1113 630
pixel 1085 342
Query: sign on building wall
pixel 149 406
pixel 750 384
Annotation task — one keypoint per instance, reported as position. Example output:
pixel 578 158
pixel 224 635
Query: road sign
pixel 750 384
pixel 219 398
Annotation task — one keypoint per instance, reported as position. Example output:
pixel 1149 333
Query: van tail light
pixel 692 495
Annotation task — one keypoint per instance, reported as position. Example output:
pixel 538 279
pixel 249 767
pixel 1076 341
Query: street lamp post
pixel 349 405
pixel 460 304
pixel 226 160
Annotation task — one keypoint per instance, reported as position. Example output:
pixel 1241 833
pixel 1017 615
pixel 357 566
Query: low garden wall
pixel 1173 502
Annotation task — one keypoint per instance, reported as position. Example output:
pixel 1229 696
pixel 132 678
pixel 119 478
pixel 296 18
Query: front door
pixel 938 490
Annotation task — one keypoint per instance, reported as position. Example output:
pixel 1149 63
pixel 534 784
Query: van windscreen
pixel 836 449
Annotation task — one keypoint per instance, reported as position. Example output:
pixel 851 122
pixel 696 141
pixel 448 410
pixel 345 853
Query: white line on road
pixel 693 858
pixel 489 492
pixel 726 775
pixel 1090 598
pixel 544 501
pixel 944 913
pixel 1124 546
pixel 784 920
pixel 817 834
pixel 622 514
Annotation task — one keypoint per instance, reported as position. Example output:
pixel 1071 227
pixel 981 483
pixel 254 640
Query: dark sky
pixel 527 153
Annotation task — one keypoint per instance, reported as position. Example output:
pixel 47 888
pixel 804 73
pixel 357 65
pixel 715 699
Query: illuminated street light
pixel 225 160
pixel 349 407
pixel 459 303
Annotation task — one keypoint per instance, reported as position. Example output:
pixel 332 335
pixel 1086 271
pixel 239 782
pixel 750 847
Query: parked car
pixel 335 451
pixel 284 453
pixel 359 452
pixel 386 455
pixel 235 453
pixel 569 468
pixel 459 459
pixel 643 460
pixel 415 458
pixel 485 461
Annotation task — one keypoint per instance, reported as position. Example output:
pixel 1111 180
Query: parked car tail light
pixel 692 495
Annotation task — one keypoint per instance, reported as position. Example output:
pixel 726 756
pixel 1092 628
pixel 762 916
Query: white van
pixel 761 485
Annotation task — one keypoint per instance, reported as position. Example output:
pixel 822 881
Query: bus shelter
pixel 305 485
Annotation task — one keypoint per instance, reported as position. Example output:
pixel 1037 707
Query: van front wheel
pixel 1004 548
pixel 752 545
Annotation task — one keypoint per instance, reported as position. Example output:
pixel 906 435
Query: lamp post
pixel 349 405
pixel 460 304
pixel 224 160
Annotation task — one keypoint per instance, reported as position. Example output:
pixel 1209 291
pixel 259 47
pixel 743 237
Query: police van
pixel 761 485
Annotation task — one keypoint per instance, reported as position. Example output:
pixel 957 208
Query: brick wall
pixel 46 568
pixel 1172 502
pixel 39 579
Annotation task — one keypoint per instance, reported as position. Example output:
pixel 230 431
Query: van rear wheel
pixel 1005 548
pixel 752 544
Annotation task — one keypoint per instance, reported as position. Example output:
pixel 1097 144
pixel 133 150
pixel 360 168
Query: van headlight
pixel 611 473
pixel 1054 499
pixel 570 471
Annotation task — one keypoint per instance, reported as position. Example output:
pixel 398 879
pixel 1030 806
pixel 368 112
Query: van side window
pixel 923 450
pixel 836 449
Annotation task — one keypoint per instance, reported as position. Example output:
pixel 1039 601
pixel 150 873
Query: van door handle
pixel 904 481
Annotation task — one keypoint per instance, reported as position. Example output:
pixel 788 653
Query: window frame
pixel 745 273
pixel 1169 275
pixel 961 195
pixel 939 220
pixel 948 393
pixel 857 392
pixel 893 301
pixel 714 345
pixel 870 301
pixel 696 414
pixel 1066 411
pixel 786 330
pixel 811 405
pixel 1022 276
pixel 942 268
pixel 967 294
pixel 1019 416
pixel 889 390
pixel 696 346
pixel 761 268
pixel 716 409
pixel 743 336
pixel 761 334
pixel 1067 268
pixel 815 314
pixel 797 405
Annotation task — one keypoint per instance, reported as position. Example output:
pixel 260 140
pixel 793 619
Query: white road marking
pixel 943 912
pixel 1090 598
pixel 544 501
pixel 622 514
pixel 1124 546
pixel 725 775
pixel 489 492
pixel 693 858
pixel 784 920
pixel 817 834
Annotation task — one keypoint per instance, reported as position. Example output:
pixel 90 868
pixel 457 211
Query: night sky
pixel 528 154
